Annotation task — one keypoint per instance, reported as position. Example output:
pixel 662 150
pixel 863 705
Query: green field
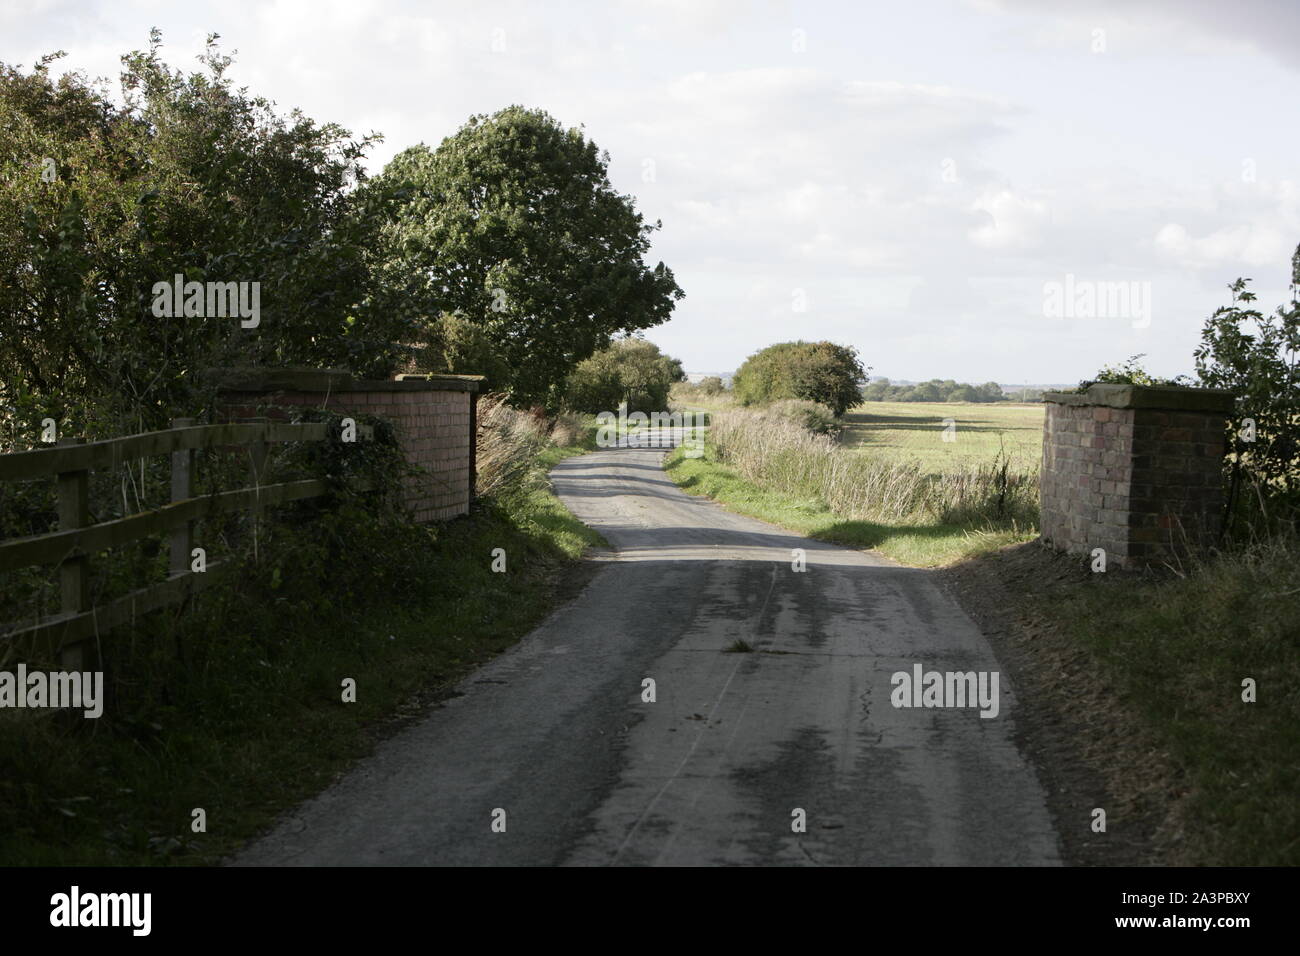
pixel 915 430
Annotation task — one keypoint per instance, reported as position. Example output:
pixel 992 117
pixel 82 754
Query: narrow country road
pixel 556 733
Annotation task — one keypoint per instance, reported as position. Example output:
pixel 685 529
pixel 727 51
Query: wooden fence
pixel 71 461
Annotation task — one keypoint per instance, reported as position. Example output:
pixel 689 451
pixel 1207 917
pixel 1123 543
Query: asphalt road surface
pixel 556 733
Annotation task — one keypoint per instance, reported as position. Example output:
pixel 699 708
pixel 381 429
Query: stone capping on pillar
pixel 332 380
pixel 1135 470
pixel 1167 397
pixel 437 430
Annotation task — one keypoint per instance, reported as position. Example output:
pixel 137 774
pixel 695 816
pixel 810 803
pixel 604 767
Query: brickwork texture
pixel 1134 470
pixel 433 418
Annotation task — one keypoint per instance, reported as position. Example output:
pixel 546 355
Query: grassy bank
pixel 1178 650
pixel 767 466
pixel 1130 688
pixel 916 542
pixel 236 708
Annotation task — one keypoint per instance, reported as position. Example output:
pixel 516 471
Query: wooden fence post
pixel 70 634
pixel 182 488
pixel 74 571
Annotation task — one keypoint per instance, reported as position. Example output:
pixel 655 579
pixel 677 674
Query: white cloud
pixel 1143 27
pixel 919 172
pixel 1253 245
pixel 1262 228
pixel 1008 221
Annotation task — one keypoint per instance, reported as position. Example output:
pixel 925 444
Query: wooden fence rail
pixel 70 462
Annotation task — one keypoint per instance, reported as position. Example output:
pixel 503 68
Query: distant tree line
pixel 935 390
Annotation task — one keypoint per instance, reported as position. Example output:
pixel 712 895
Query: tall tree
pixel 512 224
pixel 190 176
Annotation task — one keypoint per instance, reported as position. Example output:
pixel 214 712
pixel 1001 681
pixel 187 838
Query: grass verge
pixel 916 544
pixel 1131 687
pixel 1180 649
pixel 236 708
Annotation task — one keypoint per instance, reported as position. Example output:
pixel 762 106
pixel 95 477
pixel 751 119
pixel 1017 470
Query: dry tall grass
pixel 774 451
pixel 811 416
pixel 508 442
pixel 566 430
pixel 684 395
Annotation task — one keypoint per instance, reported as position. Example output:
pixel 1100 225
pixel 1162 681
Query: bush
pixel 817 371
pixel 1258 357
pixel 711 385
pixel 454 345
pixel 631 370
pixel 811 416
pixel 139 193
pixel 1131 373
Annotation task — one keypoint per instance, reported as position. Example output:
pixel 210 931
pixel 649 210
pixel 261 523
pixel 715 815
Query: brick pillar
pixel 1134 469
pixel 432 416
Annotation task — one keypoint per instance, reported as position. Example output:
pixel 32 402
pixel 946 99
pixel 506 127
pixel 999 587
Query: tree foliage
pixel 630 370
pixel 504 252
pixel 810 416
pixel 1258 357
pixel 1131 372
pixel 189 175
pixel 935 390
pixel 817 371
pixel 512 225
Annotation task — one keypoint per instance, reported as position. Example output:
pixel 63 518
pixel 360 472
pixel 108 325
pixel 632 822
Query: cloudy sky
pixel 916 179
